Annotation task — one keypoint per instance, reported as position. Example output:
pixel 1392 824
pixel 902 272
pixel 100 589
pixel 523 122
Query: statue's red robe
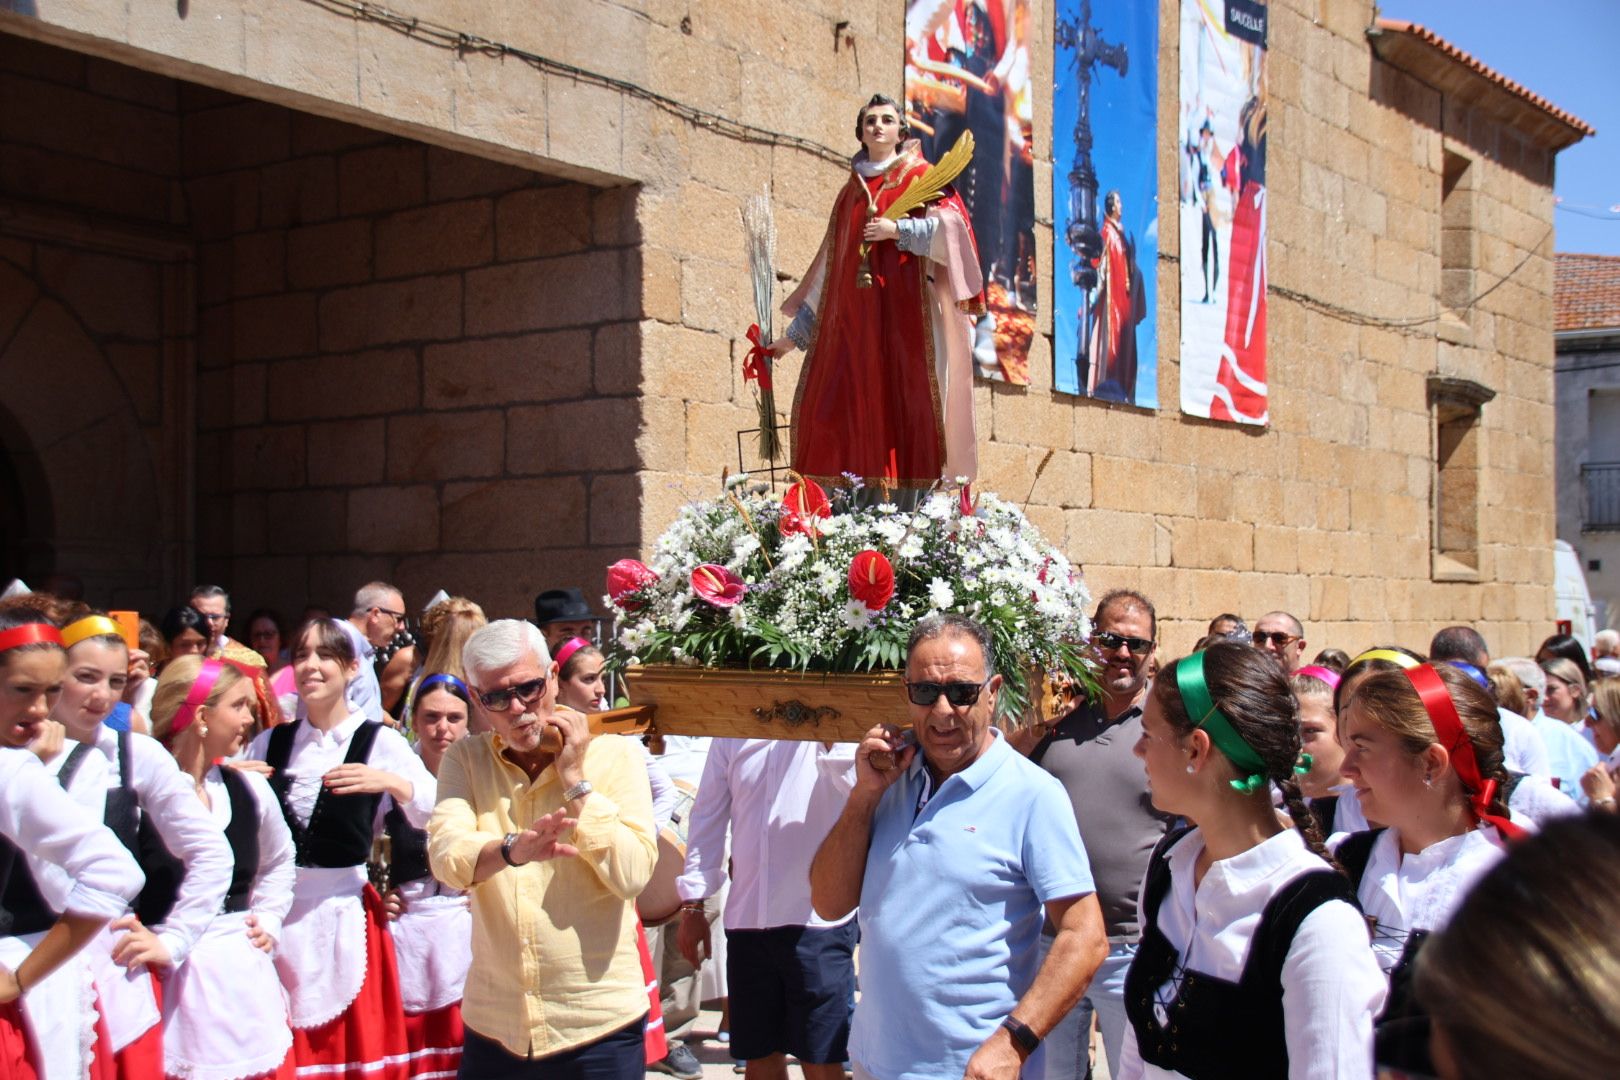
pixel 887 385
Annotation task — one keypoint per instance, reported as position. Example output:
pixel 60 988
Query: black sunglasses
pixel 959 694
pixel 1109 641
pixel 524 693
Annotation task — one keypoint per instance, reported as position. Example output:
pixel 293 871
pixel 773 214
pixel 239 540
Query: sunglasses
pixel 958 694
pixel 1109 641
pixel 1275 637
pixel 525 694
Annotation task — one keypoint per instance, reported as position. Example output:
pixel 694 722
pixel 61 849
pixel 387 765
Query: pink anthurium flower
pixel 625 577
pixel 801 505
pixel 718 586
pixel 871 579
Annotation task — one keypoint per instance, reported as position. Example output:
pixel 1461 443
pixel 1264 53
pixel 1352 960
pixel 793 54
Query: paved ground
pixel 717 1063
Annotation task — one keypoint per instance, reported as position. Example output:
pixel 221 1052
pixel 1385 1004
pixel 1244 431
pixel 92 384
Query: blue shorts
pixel 791 991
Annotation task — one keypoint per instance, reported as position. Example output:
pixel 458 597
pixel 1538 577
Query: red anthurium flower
pixel 718 586
pixel 801 505
pixel 625 577
pixel 871 579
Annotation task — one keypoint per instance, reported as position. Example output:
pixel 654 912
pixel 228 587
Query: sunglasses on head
pixel 1275 637
pixel 524 693
pixel 1109 641
pixel 958 694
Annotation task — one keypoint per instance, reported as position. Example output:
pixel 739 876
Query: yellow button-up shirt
pixel 554 960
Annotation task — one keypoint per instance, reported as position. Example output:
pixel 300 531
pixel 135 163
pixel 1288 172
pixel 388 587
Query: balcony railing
pixel 1600 495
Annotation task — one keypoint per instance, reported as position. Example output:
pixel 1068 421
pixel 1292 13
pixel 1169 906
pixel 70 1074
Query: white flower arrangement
pixel 811 582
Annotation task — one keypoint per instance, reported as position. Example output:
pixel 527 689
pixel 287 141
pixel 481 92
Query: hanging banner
pixel 1223 209
pixel 967 69
pixel 1105 200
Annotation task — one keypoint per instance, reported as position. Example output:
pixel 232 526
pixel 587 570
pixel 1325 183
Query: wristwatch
pixel 506 848
pixel 1021 1034
pixel 578 791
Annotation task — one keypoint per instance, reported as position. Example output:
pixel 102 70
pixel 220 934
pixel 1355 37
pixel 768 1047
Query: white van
pixel 1573 602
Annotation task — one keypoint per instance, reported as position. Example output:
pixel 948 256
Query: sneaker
pixel 680 1063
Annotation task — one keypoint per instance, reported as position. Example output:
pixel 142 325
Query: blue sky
pixel 1564 50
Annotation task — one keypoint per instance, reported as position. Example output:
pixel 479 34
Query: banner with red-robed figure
pixel 967 70
pixel 885 314
pixel 1223 212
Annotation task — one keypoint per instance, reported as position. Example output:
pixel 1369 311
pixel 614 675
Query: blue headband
pixel 450 682
pixel 1472 672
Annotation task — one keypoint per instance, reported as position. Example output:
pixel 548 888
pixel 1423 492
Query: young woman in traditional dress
pixel 432 923
pixel 224 1012
pixel 330 772
pixel 154 811
pixel 1246 926
pixel 63 875
pixel 1423 749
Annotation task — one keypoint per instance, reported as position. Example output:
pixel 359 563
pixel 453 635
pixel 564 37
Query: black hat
pixel 562 605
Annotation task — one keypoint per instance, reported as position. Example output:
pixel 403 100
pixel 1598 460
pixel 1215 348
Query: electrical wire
pixel 459 41
pixel 462 42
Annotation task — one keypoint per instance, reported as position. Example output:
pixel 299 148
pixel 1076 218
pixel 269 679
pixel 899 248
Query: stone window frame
pixel 1456 406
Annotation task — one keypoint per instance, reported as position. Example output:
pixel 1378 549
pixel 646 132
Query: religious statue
pixel 885 314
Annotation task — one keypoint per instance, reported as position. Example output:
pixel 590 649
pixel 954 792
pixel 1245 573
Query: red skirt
pixel 435 1039
pixel 141 1059
pixel 1243 367
pixel 19 1057
pixel 368 1039
pixel 657 1046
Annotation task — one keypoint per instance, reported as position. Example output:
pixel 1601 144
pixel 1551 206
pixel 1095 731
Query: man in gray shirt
pixel 1091 752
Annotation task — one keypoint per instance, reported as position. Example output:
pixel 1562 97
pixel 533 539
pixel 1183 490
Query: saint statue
pixel 885 314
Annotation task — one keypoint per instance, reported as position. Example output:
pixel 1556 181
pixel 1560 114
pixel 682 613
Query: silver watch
pixel 579 790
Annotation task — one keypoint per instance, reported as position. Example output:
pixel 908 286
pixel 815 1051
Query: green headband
pixel 1201 708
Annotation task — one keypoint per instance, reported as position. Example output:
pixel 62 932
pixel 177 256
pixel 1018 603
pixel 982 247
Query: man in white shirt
pixel 1523 748
pixel 790 973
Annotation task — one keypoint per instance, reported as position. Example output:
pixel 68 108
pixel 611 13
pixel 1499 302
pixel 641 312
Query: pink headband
pixel 206 678
pixel 569 648
pixel 1322 674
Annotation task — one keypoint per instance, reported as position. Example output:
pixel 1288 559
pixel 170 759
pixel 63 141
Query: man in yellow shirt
pixel 554 848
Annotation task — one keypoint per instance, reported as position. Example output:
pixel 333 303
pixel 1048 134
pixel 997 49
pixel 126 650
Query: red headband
pixel 569 648
pixel 1448 727
pixel 34 633
pixel 207 676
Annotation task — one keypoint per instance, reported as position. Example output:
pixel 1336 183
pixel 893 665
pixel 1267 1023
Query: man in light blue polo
pixel 954 855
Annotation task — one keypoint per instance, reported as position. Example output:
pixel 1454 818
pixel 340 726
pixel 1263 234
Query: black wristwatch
pixel 1022 1035
pixel 506 848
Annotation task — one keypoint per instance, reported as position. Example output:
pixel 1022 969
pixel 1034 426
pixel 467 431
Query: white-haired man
pixel 1606 652
pixel 1568 754
pixel 554 846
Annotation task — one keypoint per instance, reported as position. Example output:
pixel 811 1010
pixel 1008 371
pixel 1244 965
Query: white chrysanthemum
pixel 855 616
pixel 738 616
pixel 912 548
pixel 940 594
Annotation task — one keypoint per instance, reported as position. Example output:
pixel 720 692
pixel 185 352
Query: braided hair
pixel 1253 692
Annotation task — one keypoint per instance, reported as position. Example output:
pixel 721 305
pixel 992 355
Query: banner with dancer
pixel 1223 209
pixel 967 69
pixel 1105 200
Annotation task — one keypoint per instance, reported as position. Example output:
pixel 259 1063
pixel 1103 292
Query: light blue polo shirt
pixel 951 908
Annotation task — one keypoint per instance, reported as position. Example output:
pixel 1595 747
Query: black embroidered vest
pixel 135 831
pixel 1216 1029
pixel 340 826
pixel 1401 1032
pixel 243 835
pixel 22 908
pixel 407 852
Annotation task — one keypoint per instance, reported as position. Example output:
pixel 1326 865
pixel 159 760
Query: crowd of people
pixel 384 847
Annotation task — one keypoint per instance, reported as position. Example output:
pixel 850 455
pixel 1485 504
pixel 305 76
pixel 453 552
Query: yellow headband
pixel 1399 659
pixel 88 627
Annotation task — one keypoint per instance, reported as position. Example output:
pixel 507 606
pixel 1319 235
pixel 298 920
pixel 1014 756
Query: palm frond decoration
pixel 931 184
pixel 759 233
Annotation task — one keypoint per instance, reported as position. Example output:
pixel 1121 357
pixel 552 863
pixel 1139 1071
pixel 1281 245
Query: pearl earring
pixel 1190 768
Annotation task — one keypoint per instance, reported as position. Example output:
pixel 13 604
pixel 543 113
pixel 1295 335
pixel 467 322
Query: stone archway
pixel 77 450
